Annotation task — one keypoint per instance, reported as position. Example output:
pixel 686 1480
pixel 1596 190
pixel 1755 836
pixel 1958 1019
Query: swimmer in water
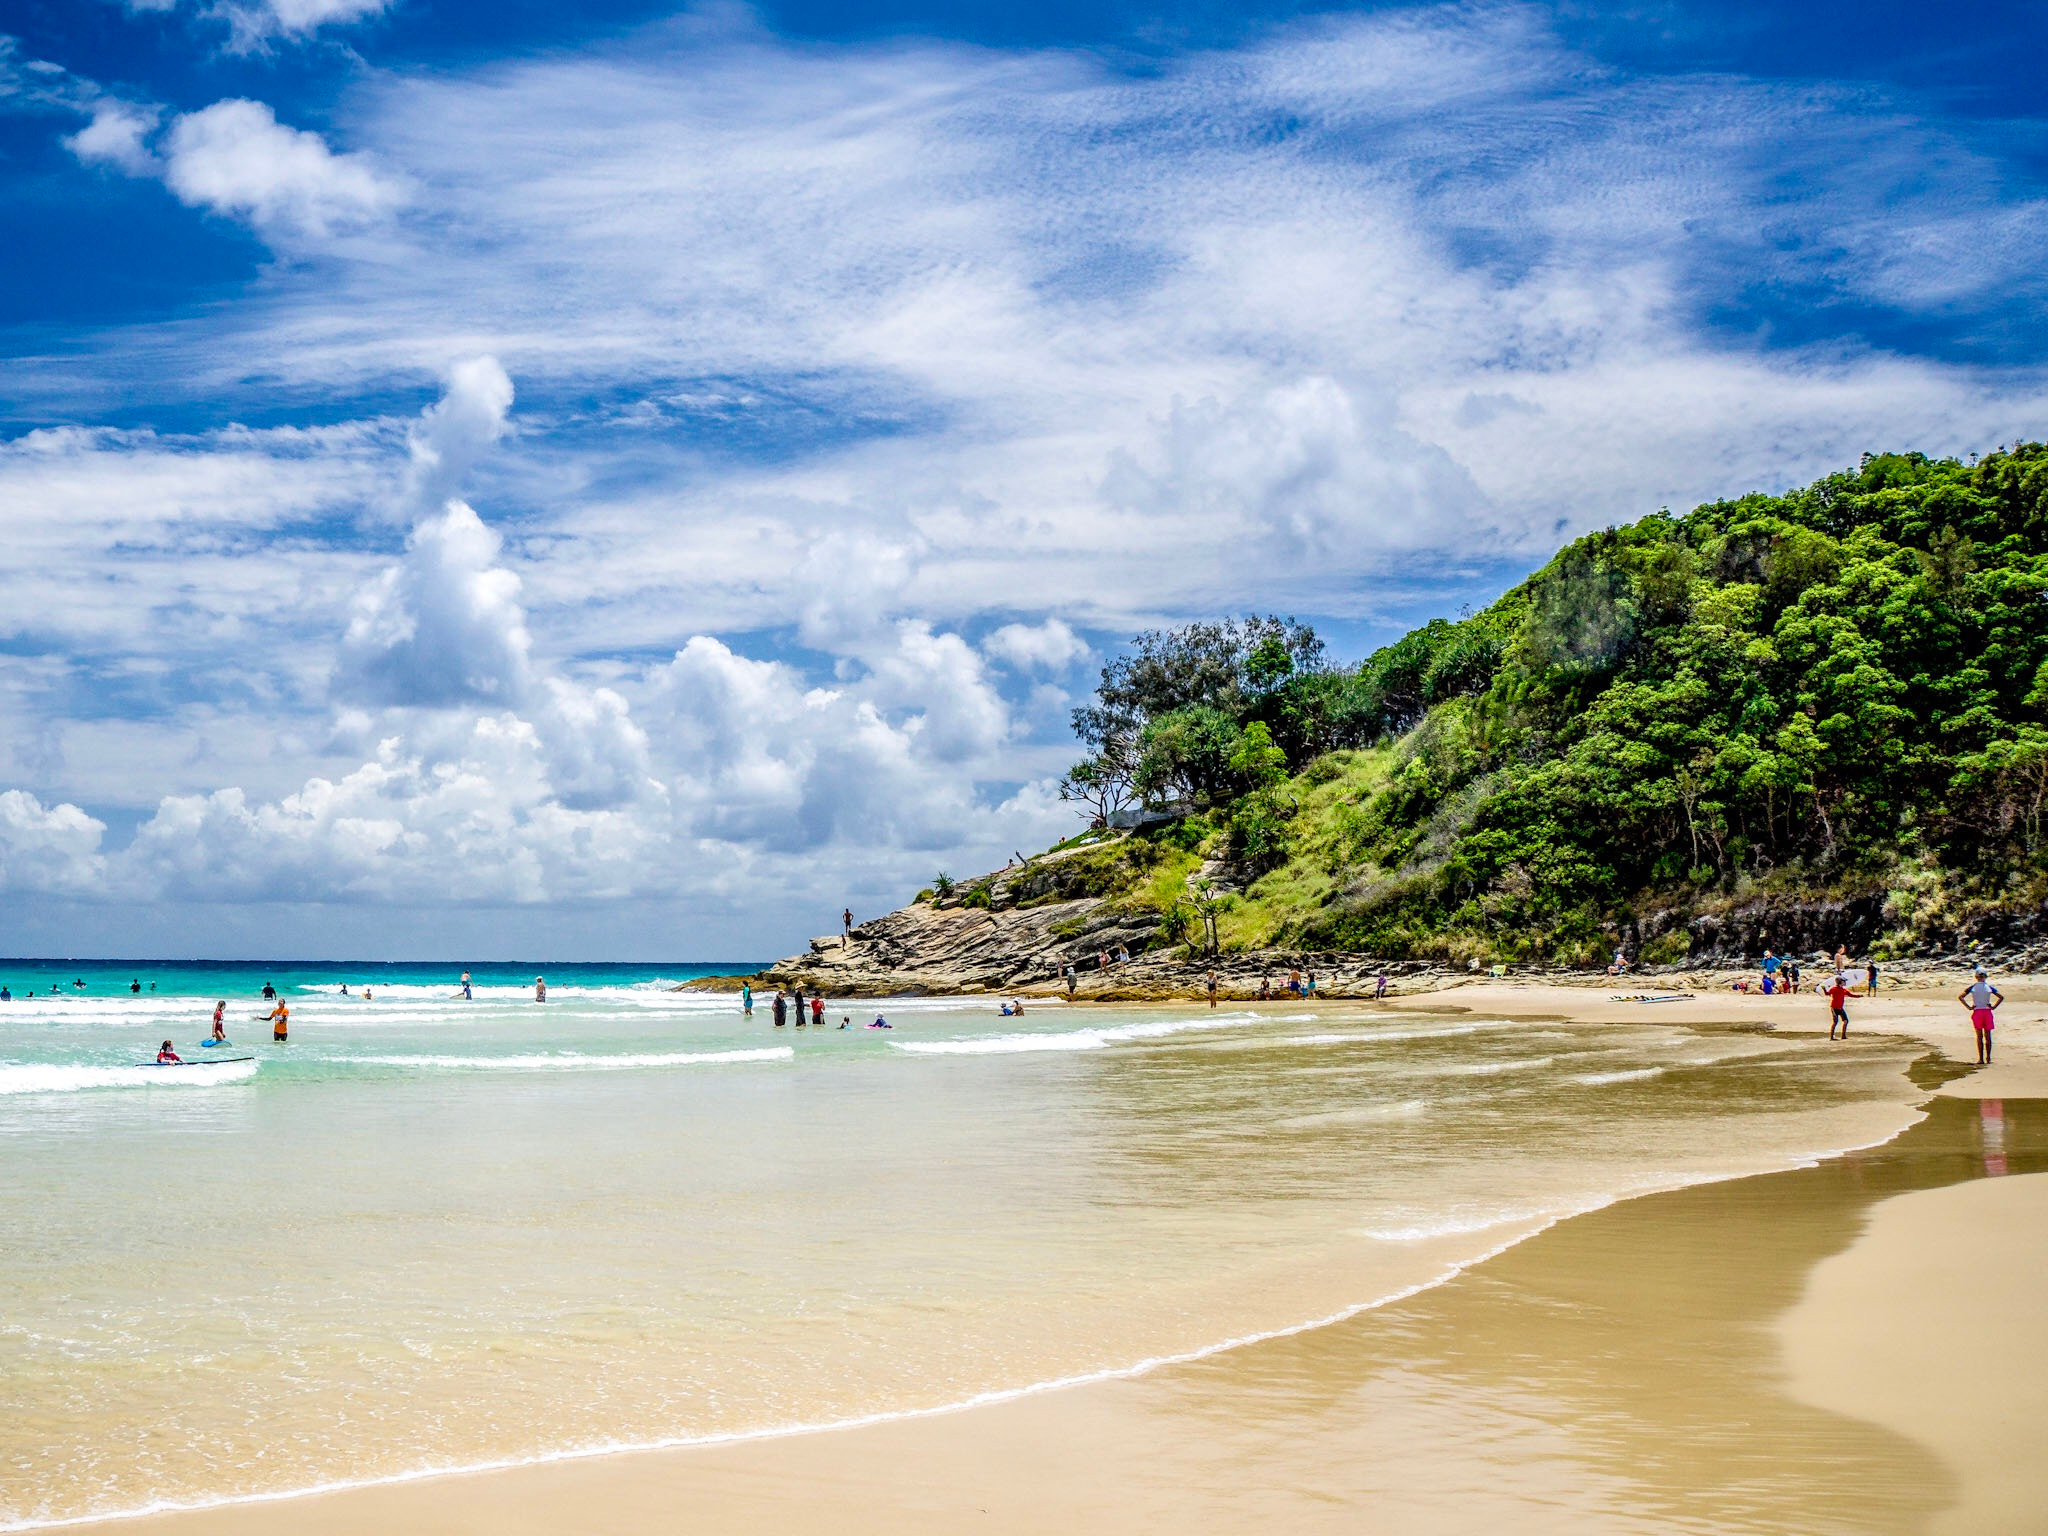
pixel 540 989
pixel 466 995
pixel 881 1023
pixel 844 1021
pixel 165 1056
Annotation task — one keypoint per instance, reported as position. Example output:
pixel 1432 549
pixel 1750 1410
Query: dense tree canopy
pixel 1826 687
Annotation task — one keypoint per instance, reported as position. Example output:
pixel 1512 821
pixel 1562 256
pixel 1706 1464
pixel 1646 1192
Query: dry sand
pixel 1843 1348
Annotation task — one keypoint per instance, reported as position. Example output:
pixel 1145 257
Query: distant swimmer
pixel 7 996
pixel 134 986
pixel 220 1030
pixel 79 984
pixel 540 989
pixel 881 1023
pixel 1005 1011
pixel 165 1056
pixel 844 1021
pixel 1982 999
pixel 746 1000
pixel 818 1011
pixel 467 996
pixel 366 994
pixel 269 992
pixel 344 989
pixel 781 1009
pixel 279 1017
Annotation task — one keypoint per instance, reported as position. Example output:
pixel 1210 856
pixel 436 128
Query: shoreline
pixel 439 1487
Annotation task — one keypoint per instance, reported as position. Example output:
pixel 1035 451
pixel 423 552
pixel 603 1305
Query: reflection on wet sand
pixel 1619 1373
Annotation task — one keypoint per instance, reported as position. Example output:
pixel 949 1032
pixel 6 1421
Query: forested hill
pixel 1832 695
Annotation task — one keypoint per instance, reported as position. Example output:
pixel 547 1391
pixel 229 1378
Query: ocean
pixel 430 1233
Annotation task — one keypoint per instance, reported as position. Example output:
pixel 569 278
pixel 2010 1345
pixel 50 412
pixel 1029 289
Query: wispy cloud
pixel 862 389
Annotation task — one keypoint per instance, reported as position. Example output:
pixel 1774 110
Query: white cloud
pixel 441 627
pixel 471 416
pixel 841 354
pixel 236 158
pixel 253 24
pixel 54 849
pixel 1048 647
pixel 116 137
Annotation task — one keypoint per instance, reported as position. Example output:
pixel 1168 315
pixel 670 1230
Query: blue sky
pixel 619 481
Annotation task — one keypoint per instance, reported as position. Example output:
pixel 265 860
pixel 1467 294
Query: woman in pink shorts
pixel 1982 999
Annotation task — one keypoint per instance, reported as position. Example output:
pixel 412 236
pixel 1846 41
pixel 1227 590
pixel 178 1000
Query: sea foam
pixel 49 1077
pixel 1091 1039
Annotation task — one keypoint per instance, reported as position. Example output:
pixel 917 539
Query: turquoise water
pixel 433 1233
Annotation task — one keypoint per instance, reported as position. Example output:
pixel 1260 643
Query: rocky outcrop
pixel 926 947
pixel 929 948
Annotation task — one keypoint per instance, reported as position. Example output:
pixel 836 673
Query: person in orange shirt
pixel 279 1017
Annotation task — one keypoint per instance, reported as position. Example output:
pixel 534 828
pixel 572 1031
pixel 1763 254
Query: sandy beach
pixel 1844 1347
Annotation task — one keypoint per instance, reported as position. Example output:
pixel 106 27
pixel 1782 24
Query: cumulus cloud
pixel 844 353
pixel 50 849
pixel 1048 647
pixel 441 627
pixel 117 137
pixel 468 418
pixel 236 158
pixel 477 825
pixel 763 758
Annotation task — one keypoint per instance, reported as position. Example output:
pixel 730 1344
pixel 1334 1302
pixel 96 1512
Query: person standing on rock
pixel 846 926
pixel 1982 999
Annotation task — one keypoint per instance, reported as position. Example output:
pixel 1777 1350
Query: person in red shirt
pixel 166 1057
pixel 1839 992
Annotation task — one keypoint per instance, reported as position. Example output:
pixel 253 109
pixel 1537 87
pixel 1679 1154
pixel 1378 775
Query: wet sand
pixel 1811 1350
